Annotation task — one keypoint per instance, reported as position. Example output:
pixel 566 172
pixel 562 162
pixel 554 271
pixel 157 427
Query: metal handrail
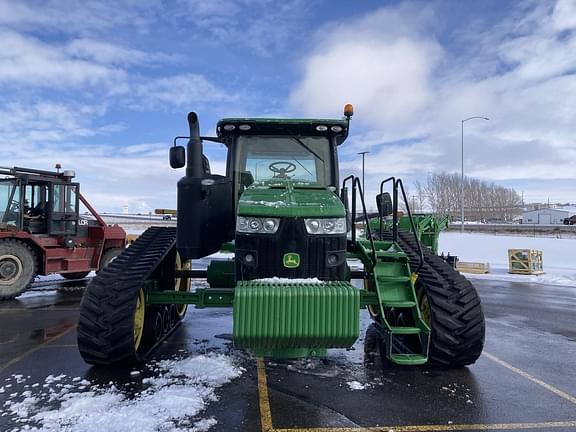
pixel 395 184
pixel 420 252
pixel 356 184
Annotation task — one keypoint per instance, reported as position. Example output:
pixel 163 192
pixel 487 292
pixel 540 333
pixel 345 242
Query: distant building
pixel 548 216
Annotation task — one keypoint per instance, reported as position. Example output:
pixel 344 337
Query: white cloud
pixel 381 63
pixel 101 67
pixel 27 60
pixel 76 16
pixel 183 90
pixel 46 121
pixel 107 53
pixel 42 134
pixel 564 17
pixel 525 85
pixel 264 26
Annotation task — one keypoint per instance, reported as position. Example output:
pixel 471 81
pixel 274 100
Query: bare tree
pixel 483 201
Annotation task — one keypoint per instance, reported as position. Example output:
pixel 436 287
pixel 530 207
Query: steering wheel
pixel 282 172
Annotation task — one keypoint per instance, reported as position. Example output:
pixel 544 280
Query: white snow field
pixel 558 255
pixel 170 402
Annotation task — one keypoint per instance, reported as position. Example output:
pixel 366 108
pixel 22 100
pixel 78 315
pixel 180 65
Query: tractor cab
pixel 39 204
pixel 290 221
pixel 279 193
pixel 266 151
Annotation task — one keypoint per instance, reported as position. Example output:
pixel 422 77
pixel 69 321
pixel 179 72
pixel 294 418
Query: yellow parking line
pixel 529 377
pixel 37 347
pixel 440 428
pixel 264 400
pixel 267 426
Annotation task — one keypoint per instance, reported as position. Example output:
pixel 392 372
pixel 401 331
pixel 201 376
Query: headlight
pixel 257 225
pixel 326 226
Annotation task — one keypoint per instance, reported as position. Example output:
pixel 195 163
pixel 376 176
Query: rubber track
pixel 105 327
pixel 458 327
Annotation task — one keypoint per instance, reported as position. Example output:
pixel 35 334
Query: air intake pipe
pixel 194 167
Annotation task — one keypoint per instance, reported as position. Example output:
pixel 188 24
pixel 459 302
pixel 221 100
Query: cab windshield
pixel 9 203
pixel 273 157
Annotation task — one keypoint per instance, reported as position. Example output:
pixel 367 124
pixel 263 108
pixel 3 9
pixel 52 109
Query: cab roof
pixel 283 126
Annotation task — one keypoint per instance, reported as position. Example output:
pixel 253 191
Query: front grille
pixel 291 237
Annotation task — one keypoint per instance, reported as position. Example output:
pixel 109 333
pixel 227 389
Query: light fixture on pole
pixel 462 176
pixel 363 154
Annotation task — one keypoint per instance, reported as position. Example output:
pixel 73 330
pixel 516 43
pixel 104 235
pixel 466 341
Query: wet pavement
pixel 525 379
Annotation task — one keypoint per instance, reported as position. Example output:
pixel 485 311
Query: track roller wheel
pixel 153 327
pixel 166 320
pixel 182 284
pixel 139 318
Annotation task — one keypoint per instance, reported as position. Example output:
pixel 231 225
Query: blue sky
pixel 103 87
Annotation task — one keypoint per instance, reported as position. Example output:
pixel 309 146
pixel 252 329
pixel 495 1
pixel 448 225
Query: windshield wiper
pixel 299 141
pixel 300 163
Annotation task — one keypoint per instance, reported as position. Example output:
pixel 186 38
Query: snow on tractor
pixel 290 223
pixel 41 231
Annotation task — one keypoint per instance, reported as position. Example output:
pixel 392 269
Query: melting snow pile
pixel 170 402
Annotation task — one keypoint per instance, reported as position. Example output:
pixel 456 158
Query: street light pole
pixel 363 154
pixel 462 176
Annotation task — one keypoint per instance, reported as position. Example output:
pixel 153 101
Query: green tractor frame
pixel 290 224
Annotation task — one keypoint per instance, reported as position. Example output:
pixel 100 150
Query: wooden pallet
pixel 473 267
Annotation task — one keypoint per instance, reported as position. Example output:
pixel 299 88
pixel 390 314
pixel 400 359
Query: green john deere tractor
pixel 290 223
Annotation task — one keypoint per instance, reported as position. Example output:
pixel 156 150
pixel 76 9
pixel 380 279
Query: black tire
pixel 109 256
pixel 75 275
pixel 456 316
pixel 17 268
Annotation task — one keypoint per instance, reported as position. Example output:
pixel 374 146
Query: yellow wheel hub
pixel 139 319
pixel 182 284
pixel 373 310
pixel 424 305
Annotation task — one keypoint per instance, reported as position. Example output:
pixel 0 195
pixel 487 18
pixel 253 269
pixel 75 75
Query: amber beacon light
pixel 348 110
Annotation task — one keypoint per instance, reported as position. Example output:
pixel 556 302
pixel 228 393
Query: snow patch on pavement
pixel 278 280
pixel 355 385
pixel 170 401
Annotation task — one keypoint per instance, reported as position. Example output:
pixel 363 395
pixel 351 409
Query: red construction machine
pixel 42 232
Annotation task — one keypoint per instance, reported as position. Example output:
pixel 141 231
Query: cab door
pixel 63 218
pixel 11 203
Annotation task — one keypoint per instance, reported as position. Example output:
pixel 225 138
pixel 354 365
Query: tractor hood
pixel 287 198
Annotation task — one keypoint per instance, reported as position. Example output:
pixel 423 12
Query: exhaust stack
pixel 194 168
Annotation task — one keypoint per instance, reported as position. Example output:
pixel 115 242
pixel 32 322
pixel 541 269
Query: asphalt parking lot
pixel 525 380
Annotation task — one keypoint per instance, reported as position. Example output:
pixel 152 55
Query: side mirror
pixel 177 157
pixel 384 204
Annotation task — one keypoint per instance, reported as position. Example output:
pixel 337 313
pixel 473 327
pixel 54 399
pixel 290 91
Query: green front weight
pixel 294 319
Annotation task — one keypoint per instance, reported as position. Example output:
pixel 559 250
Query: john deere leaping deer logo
pixel 291 260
